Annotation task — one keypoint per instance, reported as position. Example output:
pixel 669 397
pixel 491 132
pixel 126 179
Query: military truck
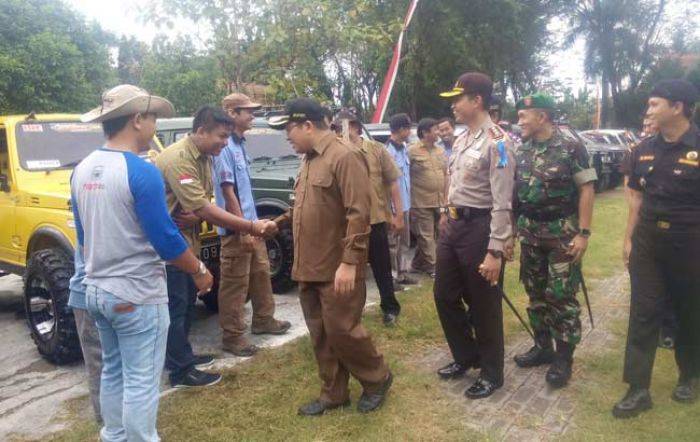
pixel 273 170
pixel 37 229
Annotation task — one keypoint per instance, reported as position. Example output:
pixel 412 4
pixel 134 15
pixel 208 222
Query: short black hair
pixel 209 118
pixel 115 125
pixel 425 125
pixel 399 121
pixel 447 120
pixel 688 110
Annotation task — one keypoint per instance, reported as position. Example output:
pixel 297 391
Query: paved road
pixel 33 392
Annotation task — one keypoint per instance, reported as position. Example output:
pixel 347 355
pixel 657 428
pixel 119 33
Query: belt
pixel 466 213
pixel 545 217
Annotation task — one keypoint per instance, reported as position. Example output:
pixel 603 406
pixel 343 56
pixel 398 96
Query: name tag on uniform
pixel 474 153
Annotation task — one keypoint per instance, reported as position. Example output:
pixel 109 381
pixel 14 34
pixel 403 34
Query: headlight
pixel 71 223
pixel 605 158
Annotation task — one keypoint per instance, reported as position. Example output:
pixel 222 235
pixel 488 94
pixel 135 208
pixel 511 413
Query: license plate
pixel 209 253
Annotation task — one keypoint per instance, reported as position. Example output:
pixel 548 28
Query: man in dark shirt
pixel 662 245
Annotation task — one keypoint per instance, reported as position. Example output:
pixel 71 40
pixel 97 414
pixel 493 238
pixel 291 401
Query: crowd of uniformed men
pixel 466 198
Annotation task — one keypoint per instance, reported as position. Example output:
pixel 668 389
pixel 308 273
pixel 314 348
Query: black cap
pixel 676 90
pixel 298 110
pixel 473 83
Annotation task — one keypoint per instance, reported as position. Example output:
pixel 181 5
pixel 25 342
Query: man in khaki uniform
pixel 186 169
pixel 331 231
pixel 245 267
pixel 383 175
pixel 428 165
pixel 473 238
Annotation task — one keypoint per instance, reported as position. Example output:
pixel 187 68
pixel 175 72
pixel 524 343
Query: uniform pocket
pixel 320 188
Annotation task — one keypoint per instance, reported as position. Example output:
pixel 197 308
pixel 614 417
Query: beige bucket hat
pixel 126 99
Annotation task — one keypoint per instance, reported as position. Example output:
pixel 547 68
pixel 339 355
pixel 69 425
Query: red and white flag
pixel 390 77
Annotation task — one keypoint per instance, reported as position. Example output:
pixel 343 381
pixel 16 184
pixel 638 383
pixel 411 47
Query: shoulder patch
pixel 496 133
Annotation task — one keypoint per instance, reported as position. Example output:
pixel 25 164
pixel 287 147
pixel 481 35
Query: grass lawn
pixel 258 400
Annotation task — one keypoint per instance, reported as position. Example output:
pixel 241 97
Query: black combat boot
pixel 542 353
pixel 559 372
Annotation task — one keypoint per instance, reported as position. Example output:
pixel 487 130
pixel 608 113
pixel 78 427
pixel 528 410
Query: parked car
pixel 616 151
pixel 37 229
pixel 273 170
pixel 620 138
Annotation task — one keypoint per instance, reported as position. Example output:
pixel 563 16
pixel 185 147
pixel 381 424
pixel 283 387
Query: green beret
pixel 537 100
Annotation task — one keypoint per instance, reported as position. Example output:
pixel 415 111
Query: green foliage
pixel 50 58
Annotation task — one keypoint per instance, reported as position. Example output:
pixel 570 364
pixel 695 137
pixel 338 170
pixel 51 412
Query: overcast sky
pixel 122 18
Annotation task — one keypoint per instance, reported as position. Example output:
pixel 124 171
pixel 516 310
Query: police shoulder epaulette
pixel 496 133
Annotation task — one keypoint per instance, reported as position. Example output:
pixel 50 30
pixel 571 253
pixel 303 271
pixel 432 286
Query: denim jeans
pixel 133 351
pixel 182 296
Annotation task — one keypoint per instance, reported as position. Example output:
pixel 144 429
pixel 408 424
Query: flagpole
pixel 390 77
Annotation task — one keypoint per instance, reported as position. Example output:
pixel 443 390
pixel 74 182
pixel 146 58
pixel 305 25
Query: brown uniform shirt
pixel 481 178
pixel 382 173
pixel 188 182
pixel 428 167
pixel 330 220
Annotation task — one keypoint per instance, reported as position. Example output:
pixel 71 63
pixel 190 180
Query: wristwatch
pixel 585 233
pixel 496 253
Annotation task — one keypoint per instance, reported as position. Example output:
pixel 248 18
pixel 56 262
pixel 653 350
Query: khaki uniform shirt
pixel 482 175
pixel 428 167
pixel 330 220
pixel 188 182
pixel 382 173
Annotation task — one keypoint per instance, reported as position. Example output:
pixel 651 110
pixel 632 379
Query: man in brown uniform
pixel 186 168
pixel 383 174
pixel 331 231
pixel 428 164
pixel 473 237
pixel 245 266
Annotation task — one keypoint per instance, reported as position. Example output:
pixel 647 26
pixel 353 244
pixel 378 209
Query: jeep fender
pixel 49 237
pixel 269 206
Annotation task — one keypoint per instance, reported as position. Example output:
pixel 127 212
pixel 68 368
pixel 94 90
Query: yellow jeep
pixel 37 230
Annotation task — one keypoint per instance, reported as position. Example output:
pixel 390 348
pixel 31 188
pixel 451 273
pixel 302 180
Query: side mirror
pixel 4 184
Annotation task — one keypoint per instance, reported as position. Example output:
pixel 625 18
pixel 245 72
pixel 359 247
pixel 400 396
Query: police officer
pixel 330 221
pixel 663 245
pixel 554 205
pixel 474 233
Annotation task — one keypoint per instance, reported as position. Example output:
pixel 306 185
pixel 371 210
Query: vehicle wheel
pixel 280 251
pixel 49 317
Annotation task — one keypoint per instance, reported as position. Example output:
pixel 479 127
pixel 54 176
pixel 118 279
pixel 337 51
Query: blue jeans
pixel 182 296
pixel 133 351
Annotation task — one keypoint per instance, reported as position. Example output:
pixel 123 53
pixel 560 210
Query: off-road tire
pixel 52 269
pixel 282 276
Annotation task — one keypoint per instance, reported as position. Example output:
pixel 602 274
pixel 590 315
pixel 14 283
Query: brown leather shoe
pixel 244 350
pixel 272 327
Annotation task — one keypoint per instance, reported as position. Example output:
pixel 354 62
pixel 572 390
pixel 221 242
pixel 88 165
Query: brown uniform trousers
pixel 243 273
pixel 341 344
pixel 425 225
pixel 331 226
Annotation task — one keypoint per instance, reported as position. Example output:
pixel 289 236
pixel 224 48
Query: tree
pixel 130 61
pixel 50 58
pixel 622 43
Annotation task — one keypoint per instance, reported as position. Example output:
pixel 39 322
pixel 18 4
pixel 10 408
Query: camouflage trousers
pixel 551 281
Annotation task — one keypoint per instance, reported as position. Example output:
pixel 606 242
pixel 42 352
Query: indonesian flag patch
pixel 186 179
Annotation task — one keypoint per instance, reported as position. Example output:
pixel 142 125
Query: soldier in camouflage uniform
pixel 554 207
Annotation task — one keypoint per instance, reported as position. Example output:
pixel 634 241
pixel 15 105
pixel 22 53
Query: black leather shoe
pixel 686 391
pixel 318 407
pixel 389 319
pixel 371 402
pixel 636 401
pixel 452 370
pixel 482 388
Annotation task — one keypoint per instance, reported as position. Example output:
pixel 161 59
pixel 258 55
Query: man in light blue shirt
pixel 400 241
pixel 245 267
